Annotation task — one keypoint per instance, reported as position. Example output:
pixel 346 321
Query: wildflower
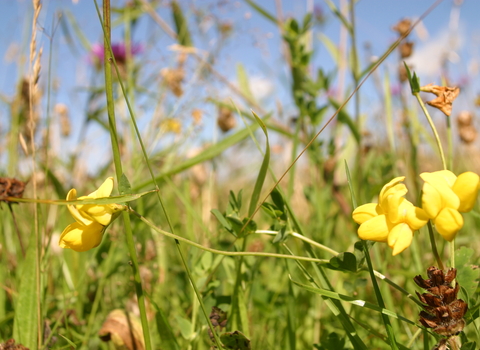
pixel 445 97
pixel 445 196
pixel 119 51
pixel 91 219
pixel 393 220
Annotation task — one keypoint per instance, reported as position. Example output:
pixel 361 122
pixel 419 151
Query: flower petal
pixel 81 238
pixel 365 212
pixel 416 218
pixel 77 214
pixel 393 187
pixel 400 238
pixel 375 229
pixel 442 181
pixel 466 188
pixel 448 222
pixel 431 200
pixel 104 190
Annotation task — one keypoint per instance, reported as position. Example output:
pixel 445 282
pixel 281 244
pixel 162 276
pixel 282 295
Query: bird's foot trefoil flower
pixel 91 219
pixel 445 196
pixel 393 220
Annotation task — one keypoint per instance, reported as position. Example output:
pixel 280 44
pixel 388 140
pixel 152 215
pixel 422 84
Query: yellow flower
pixel 393 220
pixel 445 196
pixel 91 219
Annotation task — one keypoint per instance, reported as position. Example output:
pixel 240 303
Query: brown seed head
pixel 402 26
pixel 11 188
pixel 445 97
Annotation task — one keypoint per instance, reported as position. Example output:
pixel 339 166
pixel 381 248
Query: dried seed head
pixel 466 128
pixel 443 312
pixel 173 78
pixel 406 49
pixel 62 111
pixel 445 97
pixel 10 345
pixel 11 188
pixel 403 26
pixel 464 118
pixel 225 120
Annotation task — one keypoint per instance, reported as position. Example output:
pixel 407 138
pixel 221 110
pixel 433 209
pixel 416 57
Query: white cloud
pixel 427 58
pixel 260 87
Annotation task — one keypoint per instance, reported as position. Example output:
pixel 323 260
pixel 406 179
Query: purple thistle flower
pixel 119 51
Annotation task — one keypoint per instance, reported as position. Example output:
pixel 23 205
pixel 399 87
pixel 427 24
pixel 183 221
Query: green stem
pixel 378 294
pixel 222 252
pixel 450 143
pixel 435 133
pixel 434 246
pixel 197 293
pixel 144 152
pixel 335 253
pixel 118 168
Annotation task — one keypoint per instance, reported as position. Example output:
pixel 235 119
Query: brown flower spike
pixel 443 312
pixel 10 187
pixel 445 97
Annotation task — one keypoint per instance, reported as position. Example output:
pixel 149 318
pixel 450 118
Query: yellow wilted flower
pixel 91 219
pixel 393 220
pixel 445 196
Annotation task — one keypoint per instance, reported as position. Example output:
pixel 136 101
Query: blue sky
pixel 254 43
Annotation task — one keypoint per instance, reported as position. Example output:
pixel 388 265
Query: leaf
pixel 345 262
pixel 97 201
pixel 262 174
pixel 167 337
pixel 205 155
pixel 123 329
pixel 124 185
pixel 469 346
pixel 353 301
pixel 331 341
pixel 25 325
pixel 181 24
pixel 331 47
pixel 185 327
pixel 281 236
pixel 467 275
pixel 243 82
pixel 344 118
pixel 235 341
pixel 262 11
pixel 414 81
pixel 221 219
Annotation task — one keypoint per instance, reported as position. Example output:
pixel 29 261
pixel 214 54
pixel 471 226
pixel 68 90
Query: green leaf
pixel 167 337
pixel 344 117
pixel 467 275
pixel 281 236
pixel 25 324
pixel 331 47
pixel 262 174
pixel 262 11
pixel 221 219
pixel 97 201
pixel 469 346
pixel 414 81
pixel 205 155
pixel 353 301
pixel 243 83
pixel 183 35
pixel 185 327
pixel 344 261
pixel 124 185
pixel 235 341
pixel 331 341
